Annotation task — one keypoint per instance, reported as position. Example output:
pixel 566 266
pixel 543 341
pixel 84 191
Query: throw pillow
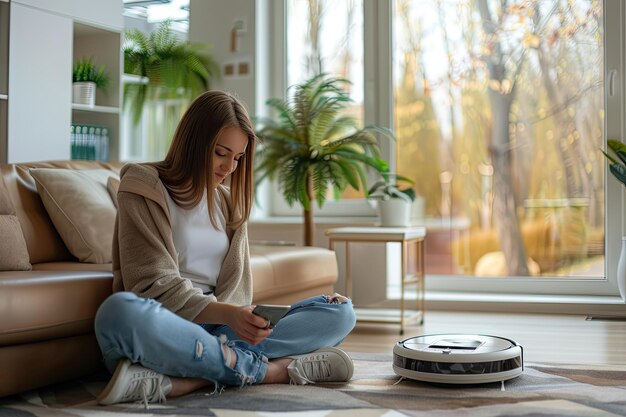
pixel 81 209
pixel 13 250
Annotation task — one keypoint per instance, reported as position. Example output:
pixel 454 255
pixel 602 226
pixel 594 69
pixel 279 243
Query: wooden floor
pixel 544 338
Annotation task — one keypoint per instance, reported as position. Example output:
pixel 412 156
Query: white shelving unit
pixel 39 35
pixel 95 109
pixel 103 46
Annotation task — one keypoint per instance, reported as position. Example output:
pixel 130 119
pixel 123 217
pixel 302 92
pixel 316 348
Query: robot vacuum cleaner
pixel 458 358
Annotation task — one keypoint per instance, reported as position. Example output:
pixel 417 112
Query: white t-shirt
pixel 201 247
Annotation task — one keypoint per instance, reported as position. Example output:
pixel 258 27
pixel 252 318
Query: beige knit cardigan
pixel 145 260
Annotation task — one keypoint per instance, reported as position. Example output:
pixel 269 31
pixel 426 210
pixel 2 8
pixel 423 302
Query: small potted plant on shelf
pixel 86 77
pixel 395 198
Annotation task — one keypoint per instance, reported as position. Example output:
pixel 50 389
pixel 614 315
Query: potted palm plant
pixel 170 67
pixel 312 146
pixel 86 77
pixel 394 196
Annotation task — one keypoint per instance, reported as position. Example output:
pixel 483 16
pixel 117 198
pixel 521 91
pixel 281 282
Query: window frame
pixel 378 109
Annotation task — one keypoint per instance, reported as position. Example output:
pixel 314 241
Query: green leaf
pixel 377 164
pixel 349 172
pixel 615 145
pixel 395 193
pixel 376 186
pixel 619 148
pixel 320 179
pixel 396 178
pixel 411 193
pixel 609 157
pixel 388 187
pixel 619 171
pixel 383 131
pixel 85 70
pixel 338 178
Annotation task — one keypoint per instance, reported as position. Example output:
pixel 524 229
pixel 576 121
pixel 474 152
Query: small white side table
pixel 407 236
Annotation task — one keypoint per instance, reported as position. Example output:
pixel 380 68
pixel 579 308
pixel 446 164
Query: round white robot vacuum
pixel 458 358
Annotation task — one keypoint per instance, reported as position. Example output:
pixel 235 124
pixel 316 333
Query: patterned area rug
pixel 542 390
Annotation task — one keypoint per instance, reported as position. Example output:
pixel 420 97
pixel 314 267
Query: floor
pixel 545 338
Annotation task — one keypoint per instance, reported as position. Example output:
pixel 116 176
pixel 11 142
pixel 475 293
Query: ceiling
pixel 156 11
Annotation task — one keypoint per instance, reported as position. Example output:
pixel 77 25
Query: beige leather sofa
pixel 46 314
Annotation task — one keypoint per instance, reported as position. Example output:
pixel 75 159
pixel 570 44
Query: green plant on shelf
pixel 86 71
pixel 389 187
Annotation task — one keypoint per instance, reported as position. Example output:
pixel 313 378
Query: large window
pixel 331 41
pixel 499 114
pixel 500 111
pixel 326 36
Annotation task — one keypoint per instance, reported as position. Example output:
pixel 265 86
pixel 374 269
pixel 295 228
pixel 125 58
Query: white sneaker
pixel 132 382
pixel 324 365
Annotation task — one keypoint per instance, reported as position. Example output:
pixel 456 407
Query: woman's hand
pixel 248 326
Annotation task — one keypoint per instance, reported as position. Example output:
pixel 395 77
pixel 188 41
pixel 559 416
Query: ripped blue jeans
pixel 128 326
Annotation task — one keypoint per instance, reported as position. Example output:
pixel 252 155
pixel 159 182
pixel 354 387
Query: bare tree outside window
pixel 326 36
pixel 498 110
pixel 500 104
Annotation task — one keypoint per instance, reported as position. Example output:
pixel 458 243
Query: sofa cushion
pixel 72 267
pixel 42 239
pixel 13 251
pixel 44 305
pixel 286 273
pixel 81 209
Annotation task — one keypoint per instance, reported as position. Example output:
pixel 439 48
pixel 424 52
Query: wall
pixel 139 24
pixel 211 22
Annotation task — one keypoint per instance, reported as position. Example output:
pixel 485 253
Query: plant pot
pixel 84 92
pixel 418 208
pixel 394 212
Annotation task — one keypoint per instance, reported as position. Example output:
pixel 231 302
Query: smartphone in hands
pixel 272 313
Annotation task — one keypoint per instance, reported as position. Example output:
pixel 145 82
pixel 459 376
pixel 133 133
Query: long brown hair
pixel 187 170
